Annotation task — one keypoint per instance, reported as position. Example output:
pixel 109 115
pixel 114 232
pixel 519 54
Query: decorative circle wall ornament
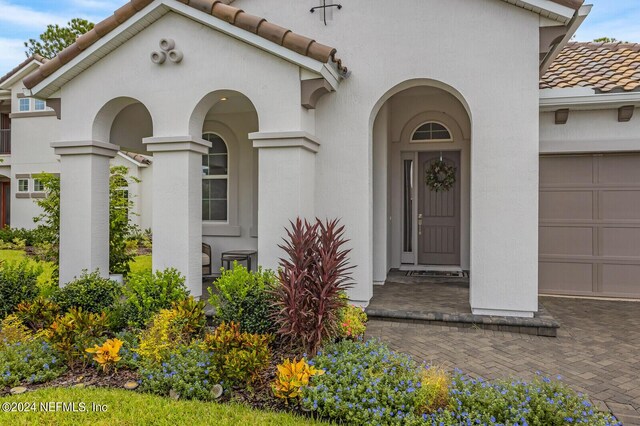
pixel 168 49
pixel 440 176
pixel 158 57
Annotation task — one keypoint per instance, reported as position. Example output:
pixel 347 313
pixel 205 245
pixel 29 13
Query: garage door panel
pixel 621 242
pixel 590 225
pixel 566 205
pixel 566 170
pixel 619 169
pixel 555 240
pixel 565 277
pixel 616 205
pixel 621 279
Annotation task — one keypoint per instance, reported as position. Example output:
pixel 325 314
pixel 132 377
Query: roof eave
pixel 27 69
pixel 577 20
pixel 546 8
pixel 585 99
pixel 152 13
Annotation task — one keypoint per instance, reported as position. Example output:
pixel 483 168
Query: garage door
pixel 590 225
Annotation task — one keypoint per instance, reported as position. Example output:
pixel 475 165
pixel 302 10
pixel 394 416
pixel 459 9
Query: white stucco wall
pixel 484 52
pixel 589 131
pixel 488 52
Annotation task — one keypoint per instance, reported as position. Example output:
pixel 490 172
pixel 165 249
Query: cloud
pixel 11 54
pixel 26 17
pixel 617 19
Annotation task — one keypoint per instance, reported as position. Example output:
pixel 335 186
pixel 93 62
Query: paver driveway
pixel 597 350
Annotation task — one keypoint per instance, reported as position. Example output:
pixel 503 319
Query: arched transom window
pixel 432 132
pixel 215 179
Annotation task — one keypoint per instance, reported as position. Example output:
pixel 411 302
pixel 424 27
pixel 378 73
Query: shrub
pixel 32 361
pixel 90 292
pixel 292 377
pixel 28 237
pixel 165 331
pixel 243 297
pixel 191 313
pixel 18 283
pixel 107 355
pixel 77 330
pixel 364 383
pixel 39 313
pixel 236 357
pixel 147 293
pixel 353 322
pixel 312 278
pixel 186 371
pixel 541 402
pixel 12 330
pixel 434 390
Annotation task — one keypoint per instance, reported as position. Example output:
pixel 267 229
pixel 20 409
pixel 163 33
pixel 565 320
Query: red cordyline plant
pixel 312 276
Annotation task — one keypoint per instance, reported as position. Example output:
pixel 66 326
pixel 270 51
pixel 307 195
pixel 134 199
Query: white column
pixel 286 187
pixel 84 207
pixel 177 205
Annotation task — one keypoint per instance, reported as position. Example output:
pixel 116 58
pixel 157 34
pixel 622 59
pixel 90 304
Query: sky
pixel 21 20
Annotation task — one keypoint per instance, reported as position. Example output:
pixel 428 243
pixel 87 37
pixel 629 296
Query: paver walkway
pixel 597 350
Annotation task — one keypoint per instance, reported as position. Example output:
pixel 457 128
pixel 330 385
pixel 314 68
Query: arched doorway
pixel 420 125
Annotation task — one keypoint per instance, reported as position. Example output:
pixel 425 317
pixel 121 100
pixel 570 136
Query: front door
pixel 438 214
pixel 5 207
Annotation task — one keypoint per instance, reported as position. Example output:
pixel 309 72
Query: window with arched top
pixel 215 180
pixel 432 132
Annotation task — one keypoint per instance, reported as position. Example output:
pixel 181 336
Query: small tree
pixel 120 226
pixel 57 38
pixel 313 277
pixel 119 221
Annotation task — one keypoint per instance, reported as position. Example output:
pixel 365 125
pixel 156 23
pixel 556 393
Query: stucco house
pixel 255 113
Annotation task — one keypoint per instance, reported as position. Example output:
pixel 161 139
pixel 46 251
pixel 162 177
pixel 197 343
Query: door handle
pixel 420 224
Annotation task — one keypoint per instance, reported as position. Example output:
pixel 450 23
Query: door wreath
pixel 440 176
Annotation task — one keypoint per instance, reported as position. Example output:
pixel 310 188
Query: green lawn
pixel 139 264
pixel 131 408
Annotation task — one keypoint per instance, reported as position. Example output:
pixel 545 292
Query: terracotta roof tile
pixel 218 8
pixel 607 67
pixel 22 64
pixel 137 157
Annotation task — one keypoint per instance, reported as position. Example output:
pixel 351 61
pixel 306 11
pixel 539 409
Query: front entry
pixel 438 214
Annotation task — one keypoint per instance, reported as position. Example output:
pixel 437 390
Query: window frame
pixel 21 102
pixel 36 182
pixel 22 191
pixel 37 102
pixel 449 139
pixel 226 177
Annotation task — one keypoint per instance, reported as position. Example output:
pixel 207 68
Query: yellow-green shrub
pixel 292 377
pixel 237 358
pixel 434 390
pixel 12 330
pixel 166 331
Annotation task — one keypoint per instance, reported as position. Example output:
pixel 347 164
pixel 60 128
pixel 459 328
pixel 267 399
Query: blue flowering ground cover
pixel 31 362
pixel 367 383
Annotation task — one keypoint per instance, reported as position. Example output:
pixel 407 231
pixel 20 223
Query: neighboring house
pixel 27 127
pixel 251 125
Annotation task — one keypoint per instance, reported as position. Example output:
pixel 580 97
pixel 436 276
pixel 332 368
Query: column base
pixel 502 313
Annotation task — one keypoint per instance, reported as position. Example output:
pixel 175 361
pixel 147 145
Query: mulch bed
pixel 84 377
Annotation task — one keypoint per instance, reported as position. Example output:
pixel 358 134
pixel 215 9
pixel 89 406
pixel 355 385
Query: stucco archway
pixel 123 119
pixel 394 119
